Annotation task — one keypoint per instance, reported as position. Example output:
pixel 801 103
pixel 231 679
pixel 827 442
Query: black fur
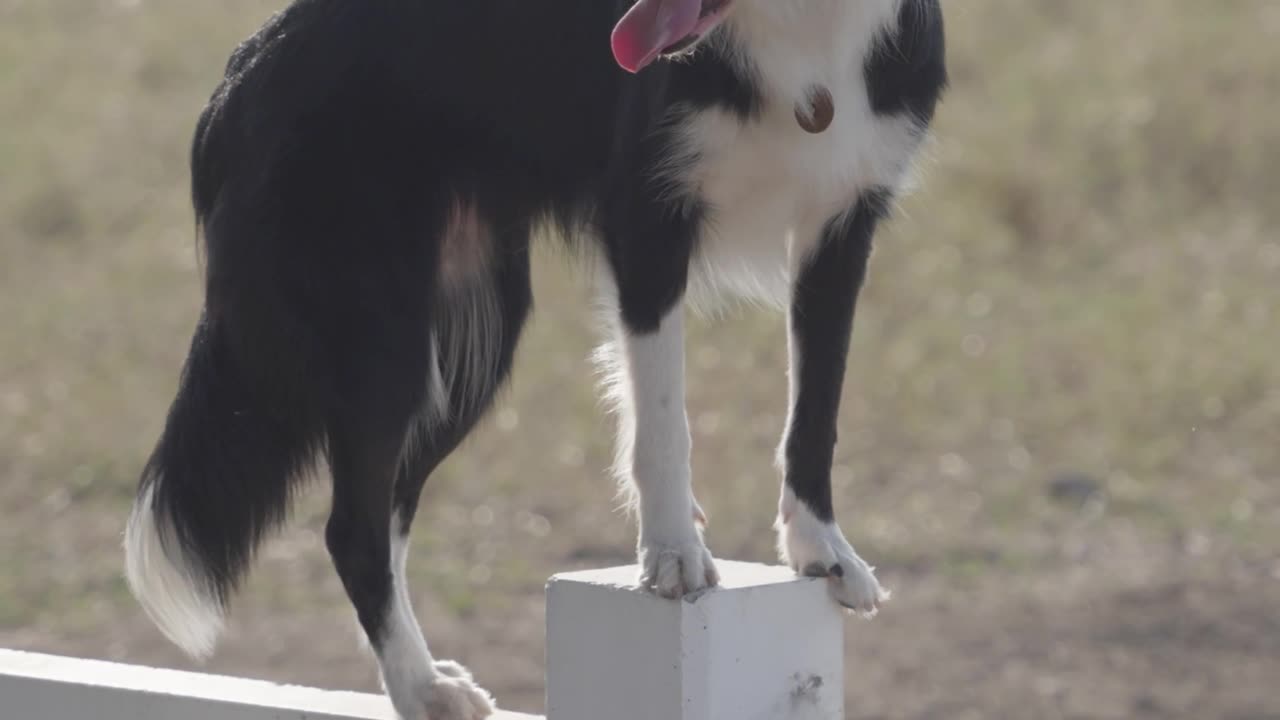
pixel 907 72
pixel 822 307
pixel 325 170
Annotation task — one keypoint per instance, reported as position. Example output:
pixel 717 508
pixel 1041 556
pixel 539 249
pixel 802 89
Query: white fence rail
pixel 764 646
pixel 48 687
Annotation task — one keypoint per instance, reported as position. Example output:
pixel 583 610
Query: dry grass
pixel 1059 439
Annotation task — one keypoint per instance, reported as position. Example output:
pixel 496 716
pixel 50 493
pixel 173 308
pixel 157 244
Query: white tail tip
pixel 170 588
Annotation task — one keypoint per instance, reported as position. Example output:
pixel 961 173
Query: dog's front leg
pixel 673 558
pixel 825 291
pixel 649 251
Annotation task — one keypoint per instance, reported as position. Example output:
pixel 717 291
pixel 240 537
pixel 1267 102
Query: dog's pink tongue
pixel 651 26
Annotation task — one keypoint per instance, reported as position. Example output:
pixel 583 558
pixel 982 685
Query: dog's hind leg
pixel 477 321
pixel 473 351
pixel 382 390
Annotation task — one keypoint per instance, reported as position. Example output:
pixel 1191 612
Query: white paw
pixel 817 549
pixel 451 695
pixel 676 569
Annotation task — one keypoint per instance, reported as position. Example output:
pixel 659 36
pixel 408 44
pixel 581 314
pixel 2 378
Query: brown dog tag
pixel 821 110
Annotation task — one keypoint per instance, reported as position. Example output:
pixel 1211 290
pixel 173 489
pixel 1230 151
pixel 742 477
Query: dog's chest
pixel 766 181
pixel 771 162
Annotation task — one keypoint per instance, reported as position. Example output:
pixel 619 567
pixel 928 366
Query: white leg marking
pixel 420 687
pixel 654 447
pixel 812 547
pixel 166 583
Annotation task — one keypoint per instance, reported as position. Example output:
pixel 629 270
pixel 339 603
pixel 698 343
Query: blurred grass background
pixel 1060 439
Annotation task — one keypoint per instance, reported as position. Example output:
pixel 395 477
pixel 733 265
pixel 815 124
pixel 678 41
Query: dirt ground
pixel 1060 437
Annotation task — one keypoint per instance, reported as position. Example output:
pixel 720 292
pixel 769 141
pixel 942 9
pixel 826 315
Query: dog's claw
pixel 815 570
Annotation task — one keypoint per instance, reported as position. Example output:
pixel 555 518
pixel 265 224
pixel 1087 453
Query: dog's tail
pixel 219 480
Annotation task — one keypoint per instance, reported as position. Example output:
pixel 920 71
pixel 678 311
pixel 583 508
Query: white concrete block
pixel 765 645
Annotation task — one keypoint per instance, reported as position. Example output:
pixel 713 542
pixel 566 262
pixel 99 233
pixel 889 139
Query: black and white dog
pixel 368 178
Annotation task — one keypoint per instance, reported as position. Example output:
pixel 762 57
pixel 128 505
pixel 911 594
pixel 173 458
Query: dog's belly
pixel 770 187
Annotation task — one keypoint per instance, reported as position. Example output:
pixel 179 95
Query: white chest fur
pixel 770 186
